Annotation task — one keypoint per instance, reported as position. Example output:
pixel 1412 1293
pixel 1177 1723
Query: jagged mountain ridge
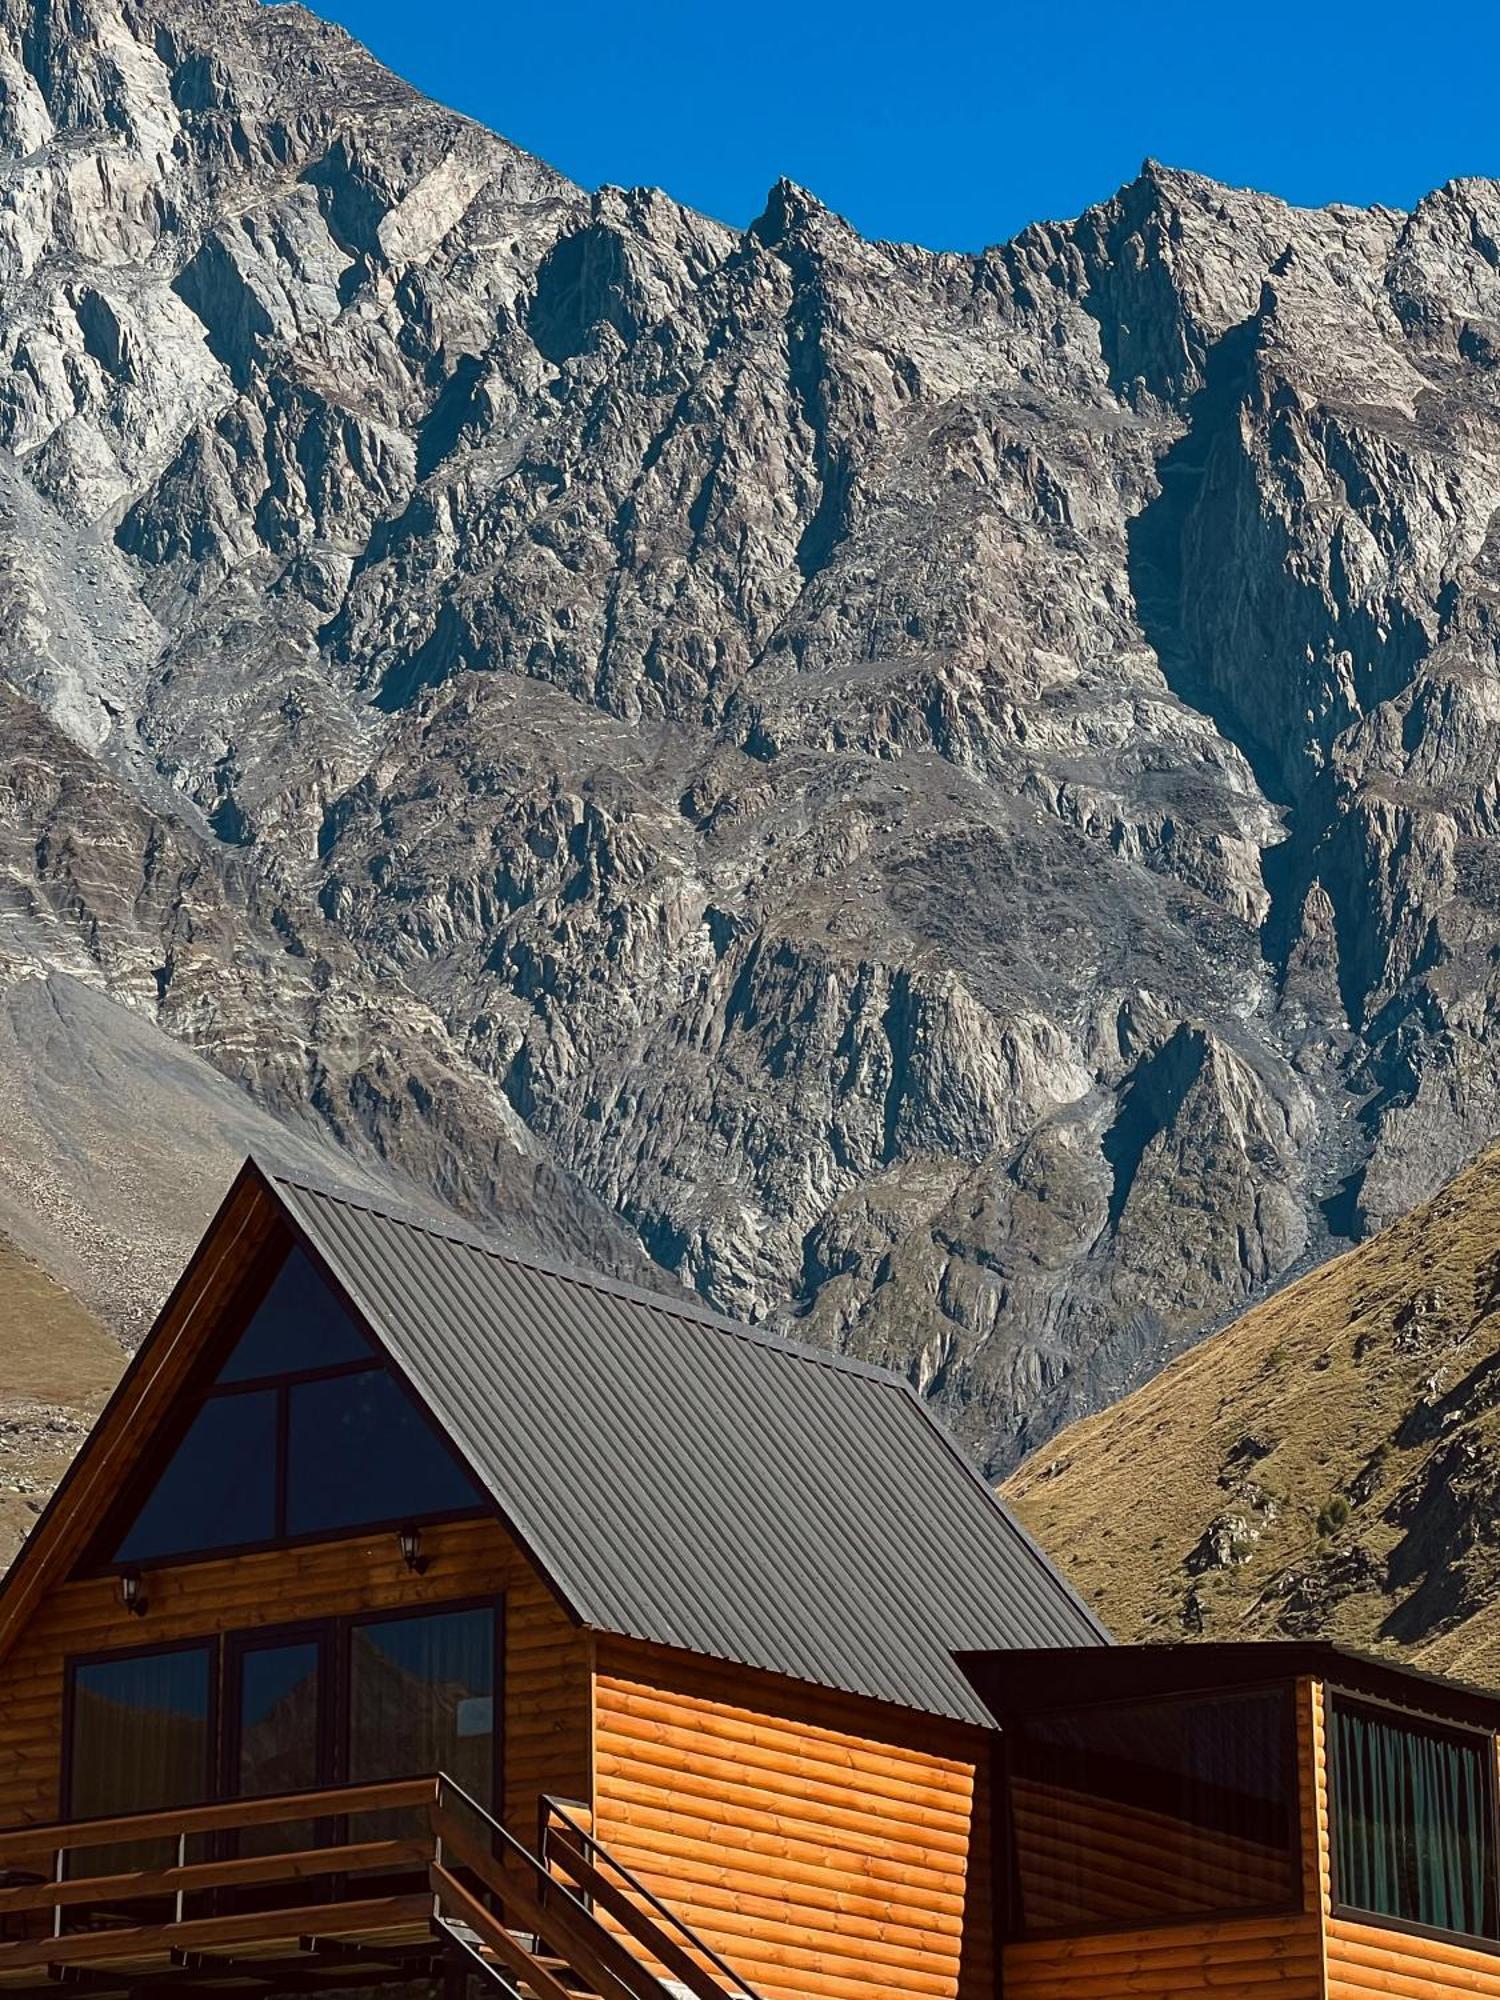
pixel 951 796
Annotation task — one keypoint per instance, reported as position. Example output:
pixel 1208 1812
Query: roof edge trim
pixel 1023 1536
pixel 35 1550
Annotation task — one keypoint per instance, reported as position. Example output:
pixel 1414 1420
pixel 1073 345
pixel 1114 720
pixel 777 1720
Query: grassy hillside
pixel 1327 1465
pixel 57 1365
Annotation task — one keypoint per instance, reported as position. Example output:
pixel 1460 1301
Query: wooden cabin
pixel 1274 1821
pixel 419 1614
pixel 671 1601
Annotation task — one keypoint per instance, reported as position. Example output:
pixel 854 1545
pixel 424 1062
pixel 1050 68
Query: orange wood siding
pixel 1317 1836
pixel 1365 1960
pixel 826 1846
pixel 547 1659
pixel 1245 1958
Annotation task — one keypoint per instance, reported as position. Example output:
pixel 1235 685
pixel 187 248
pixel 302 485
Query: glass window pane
pixel 140 1743
pixel 280 1746
pixel 140 1733
pixel 421 1699
pixel 300 1324
pixel 358 1451
pixel 1412 1823
pixel 279 1691
pixel 1153 1810
pixel 218 1489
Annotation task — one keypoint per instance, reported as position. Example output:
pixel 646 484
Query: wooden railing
pixel 19 1844
pixel 568 1849
pixel 75 1918
pixel 458 1881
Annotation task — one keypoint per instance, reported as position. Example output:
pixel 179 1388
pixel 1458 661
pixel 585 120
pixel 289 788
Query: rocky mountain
pixel 1327 1466
pixel 948 798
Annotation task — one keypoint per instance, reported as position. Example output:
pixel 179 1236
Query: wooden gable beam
pixel 248 1220
pixel 251 1218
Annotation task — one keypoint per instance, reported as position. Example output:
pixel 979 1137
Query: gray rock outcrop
pixel 950 799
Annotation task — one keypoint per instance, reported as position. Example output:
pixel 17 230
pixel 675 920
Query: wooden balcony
pixel 333 1905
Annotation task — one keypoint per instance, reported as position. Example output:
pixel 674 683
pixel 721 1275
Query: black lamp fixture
pixel 410 1538
pixel 132 1593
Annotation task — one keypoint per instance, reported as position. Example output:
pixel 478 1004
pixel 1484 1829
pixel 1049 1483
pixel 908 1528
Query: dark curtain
pixel 421 1700
pixel 1412 1823
pixel 140 1743
pixel 1146 1811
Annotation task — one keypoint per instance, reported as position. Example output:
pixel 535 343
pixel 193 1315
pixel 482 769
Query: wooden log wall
pixel 1367 1962
pixel 1316 1953
pixel 1317 1837
pixel 1245 1958
pixel 547 1665
pixel 829 1848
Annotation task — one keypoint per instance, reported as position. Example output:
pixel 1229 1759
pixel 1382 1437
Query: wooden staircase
pixel 566 1921
pixel 457 1891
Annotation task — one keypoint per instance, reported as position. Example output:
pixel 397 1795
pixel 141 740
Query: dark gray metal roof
pixel 688 1481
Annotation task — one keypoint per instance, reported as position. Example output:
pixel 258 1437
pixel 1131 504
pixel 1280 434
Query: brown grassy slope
pixel 1212 1500
pixel 57 1365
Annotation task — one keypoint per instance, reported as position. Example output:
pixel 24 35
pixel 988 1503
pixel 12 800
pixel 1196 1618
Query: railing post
pixel 181 1896
pixel 59 1863
pixel 434 1820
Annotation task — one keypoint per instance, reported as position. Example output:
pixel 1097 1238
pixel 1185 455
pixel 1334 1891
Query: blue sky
pixel 956 124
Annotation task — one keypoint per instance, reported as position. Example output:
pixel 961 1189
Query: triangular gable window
pixel 298 1326
pixel 305 1432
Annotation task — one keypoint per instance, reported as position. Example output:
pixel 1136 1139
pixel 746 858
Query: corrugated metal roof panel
pixel 696 1483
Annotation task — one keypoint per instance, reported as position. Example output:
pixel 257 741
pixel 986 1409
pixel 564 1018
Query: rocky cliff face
pixel 951 797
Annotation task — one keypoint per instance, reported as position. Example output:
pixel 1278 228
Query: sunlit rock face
pixel 946 800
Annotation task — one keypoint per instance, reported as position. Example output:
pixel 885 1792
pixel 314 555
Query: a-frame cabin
pixel 376 1500
pixel 415 1614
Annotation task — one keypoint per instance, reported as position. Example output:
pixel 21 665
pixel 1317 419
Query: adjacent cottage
pixel 415 1612
pixel 1273 1821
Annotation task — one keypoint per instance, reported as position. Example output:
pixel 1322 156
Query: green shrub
pixel 1334 1515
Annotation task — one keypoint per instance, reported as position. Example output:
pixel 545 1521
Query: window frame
pixel 200 1387
pixel 124 1520
pixel 210 1645
pixel 225 1648
pixel 1013 1929
pixel 1420 1722
pixel 346 1626
pixel 285 1386
pixel 234 1646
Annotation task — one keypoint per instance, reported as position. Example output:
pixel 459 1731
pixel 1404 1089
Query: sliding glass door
pixel 279 1735
pixel 290 1709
